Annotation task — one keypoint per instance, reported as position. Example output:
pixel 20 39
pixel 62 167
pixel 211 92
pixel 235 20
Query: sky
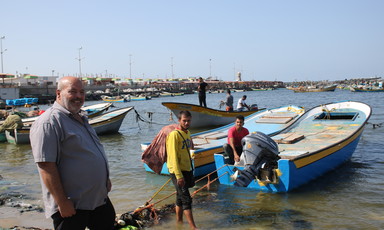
pixel 280 40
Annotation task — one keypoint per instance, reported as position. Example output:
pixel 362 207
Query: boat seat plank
pixel 213 135
pixel 281 115
pixel 288 138
pixel 274 120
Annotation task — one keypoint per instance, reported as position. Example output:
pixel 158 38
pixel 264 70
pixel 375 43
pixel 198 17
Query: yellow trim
pixel 206 157
pixel 315 157
pixel 208 111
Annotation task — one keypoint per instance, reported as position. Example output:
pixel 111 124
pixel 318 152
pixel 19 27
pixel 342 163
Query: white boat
pixel 104 124
pixel 207 117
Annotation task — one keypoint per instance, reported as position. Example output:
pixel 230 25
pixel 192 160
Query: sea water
pixel 350 197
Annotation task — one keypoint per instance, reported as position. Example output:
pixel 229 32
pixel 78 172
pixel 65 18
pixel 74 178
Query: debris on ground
pixel 144 218
pixel 16 200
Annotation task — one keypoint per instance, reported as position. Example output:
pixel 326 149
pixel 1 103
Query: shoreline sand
pixel 11 217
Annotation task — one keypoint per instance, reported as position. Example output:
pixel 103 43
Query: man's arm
pixel 232 144
pixel 51 178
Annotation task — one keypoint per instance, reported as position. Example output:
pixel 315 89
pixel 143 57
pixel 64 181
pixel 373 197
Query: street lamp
pixel 2 51
pixel 210 68
pixel 79 61
pixel 172 67
pixel 130 66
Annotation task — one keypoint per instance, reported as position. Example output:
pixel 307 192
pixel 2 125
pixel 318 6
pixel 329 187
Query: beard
pixel 74 105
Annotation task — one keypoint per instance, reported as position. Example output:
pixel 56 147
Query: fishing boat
pixel 96 109
pixel 206 144
pixel 305 89
pixel 3 138
pixel 357 89
pixel 140 98
pixel 206 117
pixel 318 142
pixel 18 136
pixel 106 123
pixel 109 122
pixel 125 98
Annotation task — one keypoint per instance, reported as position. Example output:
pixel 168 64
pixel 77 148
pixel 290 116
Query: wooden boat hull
pixel 210 142
pixel 104 124
pixel 115 100
pixel 109 122
pixel 313 156
pixel 18 136
pixel 97 109
pixel 206 117
pixel 355 89
pixel 3 138
pixel 305 90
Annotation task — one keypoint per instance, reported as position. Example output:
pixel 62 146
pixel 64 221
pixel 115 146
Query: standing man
pixel 233 148
pixel 229 101
pixel 202 88
pixel 72 163
pixel 180 166
pixel 241 105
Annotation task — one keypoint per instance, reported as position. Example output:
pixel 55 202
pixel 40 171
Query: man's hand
pixel 180 182
pixel 66 208
pixel 236 157
pixel 109 185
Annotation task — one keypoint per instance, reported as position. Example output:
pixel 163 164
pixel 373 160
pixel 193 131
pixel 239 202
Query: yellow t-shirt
pixel 177 152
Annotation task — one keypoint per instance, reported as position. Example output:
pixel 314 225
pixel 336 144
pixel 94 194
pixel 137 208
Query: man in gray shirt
pixel 229 101
pixel 72 163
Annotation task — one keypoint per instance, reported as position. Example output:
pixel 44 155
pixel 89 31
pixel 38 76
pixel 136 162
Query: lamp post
pixel 80 61
pixel 172 67
pixel 2 51
pixel 130 66
pixel 210 68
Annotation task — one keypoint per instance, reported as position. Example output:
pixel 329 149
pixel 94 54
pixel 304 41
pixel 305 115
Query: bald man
pixel 72 163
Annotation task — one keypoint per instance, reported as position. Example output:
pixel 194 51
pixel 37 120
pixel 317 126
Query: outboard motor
pixel 254 107
pixel 260 155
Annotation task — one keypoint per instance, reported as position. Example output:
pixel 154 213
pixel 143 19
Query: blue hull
pixel 327 144
pixel 291 176
pixel 198 172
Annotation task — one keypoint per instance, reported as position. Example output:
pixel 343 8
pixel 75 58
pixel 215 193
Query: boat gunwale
pixel 349 138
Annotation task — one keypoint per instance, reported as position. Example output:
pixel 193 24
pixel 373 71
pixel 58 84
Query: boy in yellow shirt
pixel 179 165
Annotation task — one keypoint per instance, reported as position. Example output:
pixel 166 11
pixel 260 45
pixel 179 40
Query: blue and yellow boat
pixel 321 140
pixel 207 143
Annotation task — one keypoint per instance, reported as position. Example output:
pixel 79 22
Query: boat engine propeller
pixel 260 155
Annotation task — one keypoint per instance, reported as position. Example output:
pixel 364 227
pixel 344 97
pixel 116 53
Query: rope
pixel 146 206
pixel 207 185
pixel 146 203
pixel 375 125
pixel 141 118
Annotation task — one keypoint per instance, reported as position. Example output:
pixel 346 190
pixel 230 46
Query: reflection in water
pixel 349 197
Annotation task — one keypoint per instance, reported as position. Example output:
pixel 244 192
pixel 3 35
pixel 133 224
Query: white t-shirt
pixel 239 103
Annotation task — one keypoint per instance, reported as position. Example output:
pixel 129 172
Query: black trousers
pixel 202 100
pixel 229 152
pixel 101 218
pixel 183 197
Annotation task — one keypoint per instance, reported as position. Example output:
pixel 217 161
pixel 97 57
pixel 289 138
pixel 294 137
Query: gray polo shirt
pixel 57 137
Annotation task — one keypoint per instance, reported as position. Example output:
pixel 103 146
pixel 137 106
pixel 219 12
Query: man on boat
pixel 72 163
pixel 180 166
pixel 201 89
pixel 229 101
pixel 241 105
pixel 233 148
